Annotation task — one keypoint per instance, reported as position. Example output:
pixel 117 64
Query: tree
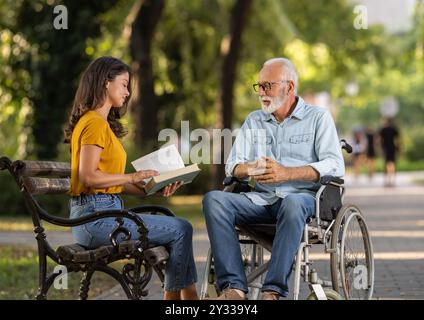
pixel 230 50
pixel 142 35
pixel 55 63
pixel 14 104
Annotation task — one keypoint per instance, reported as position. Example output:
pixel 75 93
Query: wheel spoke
pixel 354 256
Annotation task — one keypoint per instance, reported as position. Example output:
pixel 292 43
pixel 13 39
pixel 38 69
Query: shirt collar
pixel 298 112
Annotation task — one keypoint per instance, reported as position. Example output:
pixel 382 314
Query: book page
pixel 162 160
pixel 176 173
pixel 186 175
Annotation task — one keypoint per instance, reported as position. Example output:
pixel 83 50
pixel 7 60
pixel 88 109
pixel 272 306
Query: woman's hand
pixel 170 189
pixel 138 177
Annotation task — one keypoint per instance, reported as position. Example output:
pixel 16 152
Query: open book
pixel 168 162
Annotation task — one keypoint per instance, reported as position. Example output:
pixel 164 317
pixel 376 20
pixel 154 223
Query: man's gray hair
pixel 288 70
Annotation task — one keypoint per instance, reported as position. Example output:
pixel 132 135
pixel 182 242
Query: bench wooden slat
pixel 46 168
pixel 47 185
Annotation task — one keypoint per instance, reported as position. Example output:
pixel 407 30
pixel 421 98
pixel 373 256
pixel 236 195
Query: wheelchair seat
pixel 330 201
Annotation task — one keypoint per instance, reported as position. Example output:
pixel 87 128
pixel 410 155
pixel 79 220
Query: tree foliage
pixel 53 63
pixel 40 66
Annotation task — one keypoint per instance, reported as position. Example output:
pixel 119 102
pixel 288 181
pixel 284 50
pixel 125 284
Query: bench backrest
pixel 39 178
pixel 44 177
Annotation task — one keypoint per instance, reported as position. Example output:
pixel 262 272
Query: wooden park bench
pixel 36 178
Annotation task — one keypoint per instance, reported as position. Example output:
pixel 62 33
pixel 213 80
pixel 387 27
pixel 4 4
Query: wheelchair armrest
pixel 228 181
pixel 236 185
pixel 331 179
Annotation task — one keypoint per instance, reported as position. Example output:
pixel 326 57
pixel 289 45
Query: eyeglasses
pixel 266 86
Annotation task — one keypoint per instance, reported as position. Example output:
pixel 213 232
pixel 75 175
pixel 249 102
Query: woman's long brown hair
pixel 91 94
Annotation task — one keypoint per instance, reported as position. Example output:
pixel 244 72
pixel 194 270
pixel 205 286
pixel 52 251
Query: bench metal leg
pixel 42 271
pixel 85 284
pixel 118 277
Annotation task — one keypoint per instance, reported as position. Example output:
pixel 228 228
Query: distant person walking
pixel 358 150
pixel 370 136
pixel 389 137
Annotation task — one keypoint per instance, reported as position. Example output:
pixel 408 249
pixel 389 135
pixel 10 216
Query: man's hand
pixel 170 189
pixel 245 170
pixel 274 172
pixel 256 168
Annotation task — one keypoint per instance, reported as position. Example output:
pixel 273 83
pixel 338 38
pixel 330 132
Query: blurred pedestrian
pixel 389 137
pixel 358 150
pixel 370 136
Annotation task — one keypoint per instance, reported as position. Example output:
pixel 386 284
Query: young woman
pixel 98 178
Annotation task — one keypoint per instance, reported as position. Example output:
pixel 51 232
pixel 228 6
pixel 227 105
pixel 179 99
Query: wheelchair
pixel 340 228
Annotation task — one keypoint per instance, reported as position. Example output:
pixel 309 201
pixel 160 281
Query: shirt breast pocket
pixel 262 145
pixel 302 146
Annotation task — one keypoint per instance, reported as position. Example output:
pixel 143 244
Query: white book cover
pixel 163 160
pixel 168 162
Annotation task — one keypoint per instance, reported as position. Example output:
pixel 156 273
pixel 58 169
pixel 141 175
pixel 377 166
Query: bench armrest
pixel 152 209
pixel 66 222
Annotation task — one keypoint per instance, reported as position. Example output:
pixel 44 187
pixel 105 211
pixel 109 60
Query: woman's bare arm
pixel 92 177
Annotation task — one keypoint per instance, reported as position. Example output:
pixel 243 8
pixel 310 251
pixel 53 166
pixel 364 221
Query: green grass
pixel 419 181
pixel 19 277
pixel 19 264
pixel 23 223
pixel 405 165
pixel 401 165
pixel 188 207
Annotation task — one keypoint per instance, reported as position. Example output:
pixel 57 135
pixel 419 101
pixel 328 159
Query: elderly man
pixel 284 148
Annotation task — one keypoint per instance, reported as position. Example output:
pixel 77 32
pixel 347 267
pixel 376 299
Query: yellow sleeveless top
pixel 91 128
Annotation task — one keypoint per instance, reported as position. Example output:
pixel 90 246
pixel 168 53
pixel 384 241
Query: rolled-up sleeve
pixel 327 148
pixel 242 150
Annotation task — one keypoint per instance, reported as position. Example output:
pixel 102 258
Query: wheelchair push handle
pixel 346 146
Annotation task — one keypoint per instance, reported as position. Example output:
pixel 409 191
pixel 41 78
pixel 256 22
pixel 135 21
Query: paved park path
pixel 395 217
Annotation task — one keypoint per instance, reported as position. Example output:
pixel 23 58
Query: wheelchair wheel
pixel 209 288
pixel 352 262
pixel 329 293
pixel 253 257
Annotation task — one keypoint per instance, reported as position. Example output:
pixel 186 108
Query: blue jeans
pixel 174 233
pixel 224 210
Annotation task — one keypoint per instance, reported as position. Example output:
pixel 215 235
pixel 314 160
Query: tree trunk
pixel 145 106
pixel 56 60
pixel 230 49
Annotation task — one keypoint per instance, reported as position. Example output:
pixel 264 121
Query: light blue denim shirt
pixel 307 137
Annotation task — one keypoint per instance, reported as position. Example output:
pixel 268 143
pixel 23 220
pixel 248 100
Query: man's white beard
pixel 274 105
